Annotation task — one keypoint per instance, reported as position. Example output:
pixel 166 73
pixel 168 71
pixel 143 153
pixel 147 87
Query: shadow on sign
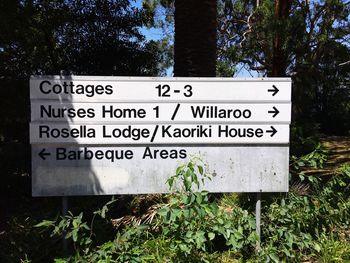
pixel 56 169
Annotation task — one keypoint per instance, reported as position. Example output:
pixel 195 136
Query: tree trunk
pixel 195 38
pixel 279 59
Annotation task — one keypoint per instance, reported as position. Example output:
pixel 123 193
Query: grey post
pixel 258 220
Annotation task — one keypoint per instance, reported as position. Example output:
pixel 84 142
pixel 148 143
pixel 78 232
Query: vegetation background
pixel 306 40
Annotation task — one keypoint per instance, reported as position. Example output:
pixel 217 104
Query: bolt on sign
pixel 95 135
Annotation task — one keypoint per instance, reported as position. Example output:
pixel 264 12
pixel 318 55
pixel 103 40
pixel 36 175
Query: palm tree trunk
pixel 195 38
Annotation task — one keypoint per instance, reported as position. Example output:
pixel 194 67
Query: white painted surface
pixel 240 163
pixel 235 169
pixel 158 134
pixel 160 112
pixel 128 89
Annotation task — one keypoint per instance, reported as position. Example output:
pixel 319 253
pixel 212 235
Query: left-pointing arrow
pixel 43 154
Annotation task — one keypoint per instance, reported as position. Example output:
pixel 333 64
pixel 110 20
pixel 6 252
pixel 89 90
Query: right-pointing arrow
pixel 43 154
pixel 275 111
pixel 273 131
pixel 275 90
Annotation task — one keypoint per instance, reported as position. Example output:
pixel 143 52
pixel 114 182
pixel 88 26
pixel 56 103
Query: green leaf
pixel 300 163
pixel 187 184
pixel 163 212
pixel 111 202
pixel 189 234
pixel 179 170
pixel 184 248
pixel 200 169
pixel 85 226
pixel 176 211
pixel 45 223
pixel 143 227
pixel 238 235
pixel 198 198
pixel 80 217
pixel 170 182
pixel 232 242
pixel 186 213
pixel 68 235
pixel 317 247
pixel 193 198
pixel 274 257
pixel 211 235
pixel 75 235
pixel 287 252
pixel 200 238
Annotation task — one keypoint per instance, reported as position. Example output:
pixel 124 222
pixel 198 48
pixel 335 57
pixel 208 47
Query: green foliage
pixel 313 49
pixel 344 169
pixel 285 229
pixel 44 37
pixel 225 69
pixel 187 174
pixel 77 231
pixel 72 228
pixel 304 137
pixel 19 240
pixel 158 13
pixel 294 227
pixel 188 228
pixel 332 249
pixel 315 159
pixel 100 38
pixel 192 226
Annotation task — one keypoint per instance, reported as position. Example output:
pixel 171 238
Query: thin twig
pixel 344 63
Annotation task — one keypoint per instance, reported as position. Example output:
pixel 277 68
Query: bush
pixel 192 226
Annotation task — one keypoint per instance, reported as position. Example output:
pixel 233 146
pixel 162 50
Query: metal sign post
pixel 258 220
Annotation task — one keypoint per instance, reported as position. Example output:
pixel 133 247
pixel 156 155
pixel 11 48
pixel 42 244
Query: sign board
pixel 186 112
pixel 131 89
pixel 85 170
pixel 123 135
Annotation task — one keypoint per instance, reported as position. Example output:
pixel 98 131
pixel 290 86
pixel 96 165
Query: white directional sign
pixel 108 89
pixel 160 112
pixel 85 170
pixel 159 134
pixel 123 127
